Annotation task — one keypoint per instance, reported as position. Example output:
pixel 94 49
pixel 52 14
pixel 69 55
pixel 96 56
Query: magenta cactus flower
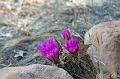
pixel 72 46
pixel 66 34
pixel 50 49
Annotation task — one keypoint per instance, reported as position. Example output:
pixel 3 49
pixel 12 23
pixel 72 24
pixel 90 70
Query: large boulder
pixel 104 39
pixel 35 71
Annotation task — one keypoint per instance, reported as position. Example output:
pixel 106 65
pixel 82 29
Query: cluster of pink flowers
pixel 50 48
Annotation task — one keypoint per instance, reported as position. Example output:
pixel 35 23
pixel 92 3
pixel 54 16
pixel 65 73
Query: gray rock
pixel 105 45
pixel 88 2
pixel 35 71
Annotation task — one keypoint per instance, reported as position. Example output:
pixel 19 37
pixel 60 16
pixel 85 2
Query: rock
pixel 88 2
pixel 35 71
pixel 39 1
pixel 105 45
